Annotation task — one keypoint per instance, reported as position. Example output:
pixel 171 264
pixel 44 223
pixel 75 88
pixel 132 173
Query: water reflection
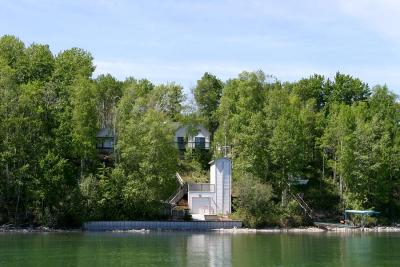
pixel 199 249
pixel 212 250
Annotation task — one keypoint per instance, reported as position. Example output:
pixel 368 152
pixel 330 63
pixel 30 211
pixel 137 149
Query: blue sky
pixel 177 40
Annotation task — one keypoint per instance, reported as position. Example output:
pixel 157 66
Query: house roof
pixel 105 133
pixel 199 127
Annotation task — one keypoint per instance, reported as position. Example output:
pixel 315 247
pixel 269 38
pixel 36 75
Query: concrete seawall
pixel 163 225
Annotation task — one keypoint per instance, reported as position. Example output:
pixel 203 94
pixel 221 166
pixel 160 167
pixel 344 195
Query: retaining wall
pixel 163 225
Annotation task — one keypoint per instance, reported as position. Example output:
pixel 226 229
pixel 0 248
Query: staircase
pixel 307 210
pixel 178 195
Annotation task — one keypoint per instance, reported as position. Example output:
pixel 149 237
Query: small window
pixel 200 142
pixel 181 142
pixel 99 143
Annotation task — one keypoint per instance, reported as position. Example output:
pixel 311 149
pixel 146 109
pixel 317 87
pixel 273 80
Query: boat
pixel 348 222
pixel 330 226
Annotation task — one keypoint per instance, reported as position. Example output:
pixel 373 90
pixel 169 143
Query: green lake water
pixel 199 249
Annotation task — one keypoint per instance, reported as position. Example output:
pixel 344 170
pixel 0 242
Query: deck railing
pixel 193 145
pixel 202 187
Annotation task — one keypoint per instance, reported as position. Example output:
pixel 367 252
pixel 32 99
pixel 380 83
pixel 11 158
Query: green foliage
pixel 348 90
pixel 84 119
pixel 11 50
pixel 207 94
pixel 254 203
pixel 333 133
pixel 338 134
pixel 168 99
pixel 71 64
pixel 109 91
pixel 194 165
pixel 37 64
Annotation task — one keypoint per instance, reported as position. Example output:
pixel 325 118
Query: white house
pixel 193 136
pixel 213 198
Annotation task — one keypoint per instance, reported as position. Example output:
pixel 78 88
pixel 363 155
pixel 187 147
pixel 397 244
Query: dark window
pixel 99 143
pixel 200 142
pixel 105 143
pixel 181 142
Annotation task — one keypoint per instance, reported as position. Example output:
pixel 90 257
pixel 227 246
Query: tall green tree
pixel 169 100
pixel 72 64
pixel 84 120
pixel 207 93
pixel 108 93
pixel 11 50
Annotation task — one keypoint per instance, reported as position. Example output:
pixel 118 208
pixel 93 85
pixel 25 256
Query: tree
pixel 11 50
pixel 37 64
pixel 108 92
pixel 207 94
pixel 348 90
pixel 84 120
pixel 148 158
pixel 336 137
pixel 255 203
pixel 168 99
pixel 71 64
pixel 314 87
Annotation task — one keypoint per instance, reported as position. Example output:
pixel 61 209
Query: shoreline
pixel 311 229
pixel 39 229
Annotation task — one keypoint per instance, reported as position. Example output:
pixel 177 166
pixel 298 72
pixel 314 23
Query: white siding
pixel 181 132
pixel 223 185
pixel 219 185
pixel 221 177
pixel 227 188
pixel 212 174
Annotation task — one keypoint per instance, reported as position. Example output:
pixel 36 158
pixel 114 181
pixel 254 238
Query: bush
pixel 254 203
pixel 290 215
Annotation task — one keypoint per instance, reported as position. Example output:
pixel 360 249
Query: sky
pixel 178 40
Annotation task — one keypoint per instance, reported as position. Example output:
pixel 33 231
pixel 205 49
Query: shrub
pixel 254 203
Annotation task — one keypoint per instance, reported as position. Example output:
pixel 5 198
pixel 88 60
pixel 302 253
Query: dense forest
pixel 339 134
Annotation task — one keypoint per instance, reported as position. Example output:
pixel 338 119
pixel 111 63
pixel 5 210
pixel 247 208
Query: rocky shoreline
pixel 39 229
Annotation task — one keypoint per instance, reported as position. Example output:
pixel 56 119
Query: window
pixel 200 142
pixel 181 142
pixel 99 143
pixel 105 143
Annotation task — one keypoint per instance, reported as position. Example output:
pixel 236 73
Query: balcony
pixel 202 187
pixel 181 145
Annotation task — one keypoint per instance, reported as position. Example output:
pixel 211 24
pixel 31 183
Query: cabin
pixel 105 142
pixel 192 137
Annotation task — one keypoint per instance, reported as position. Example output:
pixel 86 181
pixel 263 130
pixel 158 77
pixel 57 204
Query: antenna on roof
pixel 225 148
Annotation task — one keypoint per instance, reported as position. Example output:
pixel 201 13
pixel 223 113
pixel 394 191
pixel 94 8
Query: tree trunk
pixel 16 207
pixel 82 166
pixel 340 176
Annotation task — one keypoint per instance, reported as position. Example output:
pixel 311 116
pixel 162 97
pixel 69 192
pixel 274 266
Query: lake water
pixel 199 249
